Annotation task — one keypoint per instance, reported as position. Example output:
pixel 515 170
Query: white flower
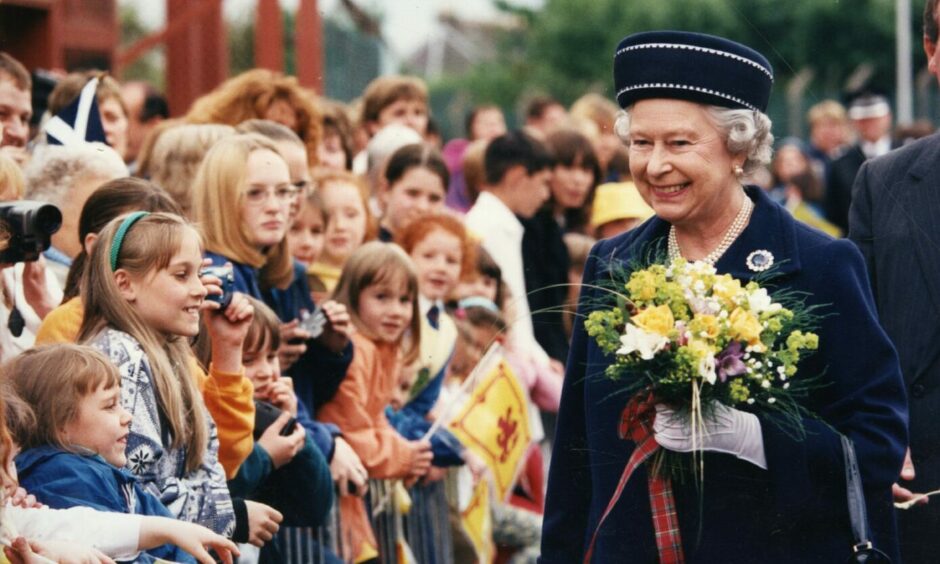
pixel 637 340
pixel 701 268
pixel 706 368
pixel 759 301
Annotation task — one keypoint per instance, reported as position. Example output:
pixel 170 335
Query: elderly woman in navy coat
pixel 695 125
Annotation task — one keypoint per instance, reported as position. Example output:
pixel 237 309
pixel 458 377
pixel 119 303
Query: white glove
pixel 727 430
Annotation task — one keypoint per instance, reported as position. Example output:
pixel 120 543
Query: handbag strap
pixel 857 512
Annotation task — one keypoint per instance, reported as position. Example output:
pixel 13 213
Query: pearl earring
pixel 738 171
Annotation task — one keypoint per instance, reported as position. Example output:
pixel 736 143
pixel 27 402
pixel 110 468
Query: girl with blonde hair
pixel 143 296
pixel 241 197
pixel 346 201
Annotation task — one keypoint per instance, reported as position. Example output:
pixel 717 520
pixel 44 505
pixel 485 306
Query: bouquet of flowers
pixel 690 338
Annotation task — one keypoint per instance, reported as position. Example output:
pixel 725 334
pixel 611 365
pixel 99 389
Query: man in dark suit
pixel 894 220
pixel 871 118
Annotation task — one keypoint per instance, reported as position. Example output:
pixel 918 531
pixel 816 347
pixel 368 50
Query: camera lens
pixel 48 219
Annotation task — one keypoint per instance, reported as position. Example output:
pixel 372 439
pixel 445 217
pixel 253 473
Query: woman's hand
pixel 339 327
pixel 263 522
pixel 347 470
pixel 35 288
pixel 281 394
pixel 292 344
pixel 192 538
pixel 282 449
pixel 725 429
pixel 42 552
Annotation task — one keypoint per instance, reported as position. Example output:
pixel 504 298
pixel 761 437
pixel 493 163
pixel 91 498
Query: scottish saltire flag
pixel 79 122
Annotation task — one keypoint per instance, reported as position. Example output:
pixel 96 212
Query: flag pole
pixel 465 387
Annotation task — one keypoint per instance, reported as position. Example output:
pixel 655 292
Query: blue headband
pixel 126 225
pixel 477 301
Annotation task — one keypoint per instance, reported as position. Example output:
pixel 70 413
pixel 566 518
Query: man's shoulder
pixel 904 156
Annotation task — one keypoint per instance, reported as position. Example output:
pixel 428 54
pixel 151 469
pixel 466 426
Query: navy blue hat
pixel 691 66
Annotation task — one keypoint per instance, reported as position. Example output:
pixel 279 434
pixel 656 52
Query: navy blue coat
pixel 62 479
pixel 796 510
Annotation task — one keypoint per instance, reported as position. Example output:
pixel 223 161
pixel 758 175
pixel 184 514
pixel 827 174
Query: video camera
pixel 30 226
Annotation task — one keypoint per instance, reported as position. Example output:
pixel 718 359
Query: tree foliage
pixel 566 47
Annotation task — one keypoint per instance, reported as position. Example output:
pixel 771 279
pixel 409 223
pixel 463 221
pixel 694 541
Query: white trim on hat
pixel 733 56
pixel 688 87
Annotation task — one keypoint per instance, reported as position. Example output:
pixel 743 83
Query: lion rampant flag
pixel 493 420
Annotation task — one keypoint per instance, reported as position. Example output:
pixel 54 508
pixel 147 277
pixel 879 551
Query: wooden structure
pixel 73 34
pixel 60 34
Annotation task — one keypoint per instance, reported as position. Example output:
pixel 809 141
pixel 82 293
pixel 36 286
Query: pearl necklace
pixel 737 226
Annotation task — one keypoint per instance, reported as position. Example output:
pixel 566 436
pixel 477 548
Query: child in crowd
pixel 246 177
pixel 177 154
pixel 242 196
pixel 380 287
pixel 230 406
pixel 74 453
pixel 336 148
pixel 414 185
pixel 78 534
pixel 442 253
pixel 307 234
pixel 346 201
pixel 143 296
pixel 518 168
pixel 291 149
pixel 395 99
pixel 293 477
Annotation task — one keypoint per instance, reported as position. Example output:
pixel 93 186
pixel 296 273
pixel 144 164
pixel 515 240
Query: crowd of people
pixel 370 269
pixel 253 314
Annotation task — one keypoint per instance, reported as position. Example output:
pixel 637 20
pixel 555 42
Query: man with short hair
pixel 893 220
pixel 16 107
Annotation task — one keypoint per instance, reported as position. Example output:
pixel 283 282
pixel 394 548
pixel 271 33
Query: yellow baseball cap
pixel 618 200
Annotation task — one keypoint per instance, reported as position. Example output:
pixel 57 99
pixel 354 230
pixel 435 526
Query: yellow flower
pixel 727 288
pixel 657 320
pixel 745 326
pixel 705 326
pixel 642 285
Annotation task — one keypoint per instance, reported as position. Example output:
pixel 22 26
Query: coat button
pixel 917 390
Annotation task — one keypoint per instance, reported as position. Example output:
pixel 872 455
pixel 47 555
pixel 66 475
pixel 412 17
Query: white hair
pixel 54 169
pixel 745 132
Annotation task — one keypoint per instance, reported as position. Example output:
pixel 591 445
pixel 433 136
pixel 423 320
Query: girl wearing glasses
pixel 242 196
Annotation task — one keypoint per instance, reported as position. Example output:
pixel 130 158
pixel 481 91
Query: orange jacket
pixel 358 408
pixel 228 396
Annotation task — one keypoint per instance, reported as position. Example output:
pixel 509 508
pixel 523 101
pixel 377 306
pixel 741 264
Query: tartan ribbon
pixel 636 424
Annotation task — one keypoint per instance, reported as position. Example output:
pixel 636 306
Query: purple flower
pixel 729 361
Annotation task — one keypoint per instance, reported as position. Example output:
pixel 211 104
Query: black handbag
pixel 863 551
